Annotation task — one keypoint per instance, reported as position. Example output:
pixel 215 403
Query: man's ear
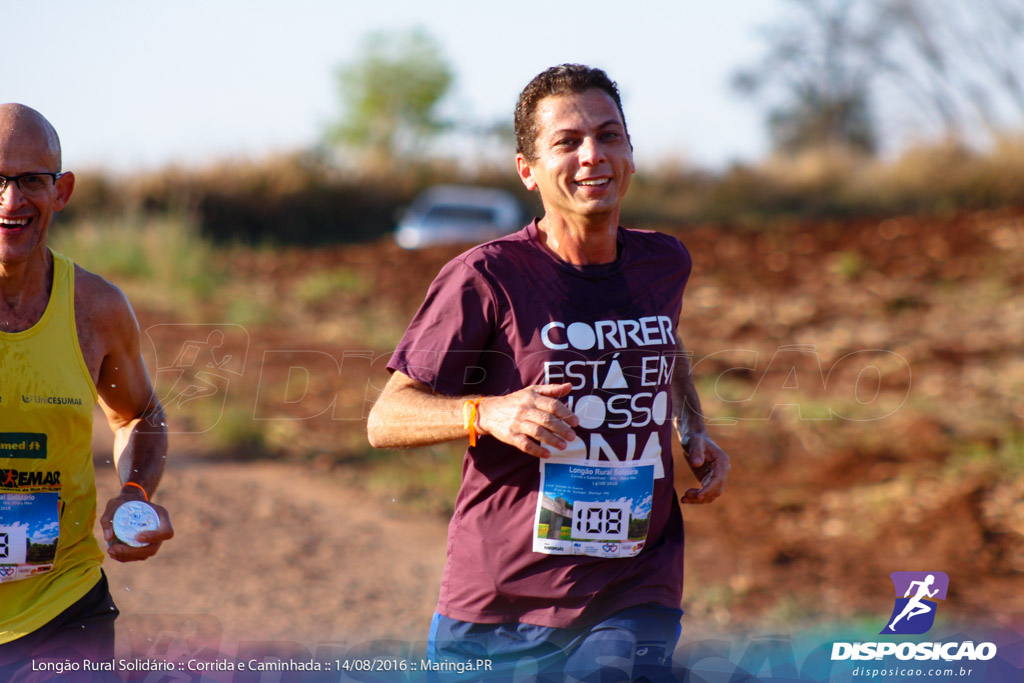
pixel 525 172
pixel 65 186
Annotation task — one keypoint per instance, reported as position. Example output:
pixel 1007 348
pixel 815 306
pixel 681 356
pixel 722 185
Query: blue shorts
pixel 635 644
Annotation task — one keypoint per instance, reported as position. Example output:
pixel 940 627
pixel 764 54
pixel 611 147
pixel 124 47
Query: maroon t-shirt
pixel 508 314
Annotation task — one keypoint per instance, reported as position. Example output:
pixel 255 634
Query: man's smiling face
pixel 27 146
pixel 582 161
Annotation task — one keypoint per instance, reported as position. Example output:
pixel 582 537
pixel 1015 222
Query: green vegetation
pixel 564 533
pixel 849 264
pixel 998 458
pixel 791 609
pixel 426 479
pixel 163 253
pixel 237 434
pixel 638 527
pixel 322 286
pixel 390 95
pixel 41 553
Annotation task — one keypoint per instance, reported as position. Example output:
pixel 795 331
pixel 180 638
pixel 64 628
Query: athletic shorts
pixel 635 644
pixel 85 630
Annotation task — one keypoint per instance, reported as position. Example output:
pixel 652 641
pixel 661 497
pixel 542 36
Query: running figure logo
pixel 196 368
pixel 914 613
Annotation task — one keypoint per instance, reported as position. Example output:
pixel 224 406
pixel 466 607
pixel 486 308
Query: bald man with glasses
pixel 68 338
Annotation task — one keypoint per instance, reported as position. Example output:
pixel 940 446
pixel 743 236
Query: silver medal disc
pixel 132 518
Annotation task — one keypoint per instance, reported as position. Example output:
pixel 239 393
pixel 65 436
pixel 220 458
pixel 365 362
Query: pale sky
pixel 138 84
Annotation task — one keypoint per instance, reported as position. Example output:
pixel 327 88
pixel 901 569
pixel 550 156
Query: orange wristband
pixel 139 487
pixel 469 415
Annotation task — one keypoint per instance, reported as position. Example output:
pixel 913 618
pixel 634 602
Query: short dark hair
pixel 564 79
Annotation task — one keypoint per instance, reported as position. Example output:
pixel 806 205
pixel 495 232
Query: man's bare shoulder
pixel 101 304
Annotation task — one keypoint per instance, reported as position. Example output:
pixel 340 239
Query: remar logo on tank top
pixel 15 479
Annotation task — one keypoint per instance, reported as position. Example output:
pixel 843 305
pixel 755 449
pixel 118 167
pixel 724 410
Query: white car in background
pixel 458 214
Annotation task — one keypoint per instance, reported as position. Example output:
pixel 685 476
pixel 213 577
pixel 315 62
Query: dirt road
pixel 278 551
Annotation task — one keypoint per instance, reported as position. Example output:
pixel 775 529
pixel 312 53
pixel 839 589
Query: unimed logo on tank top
pixel 29 445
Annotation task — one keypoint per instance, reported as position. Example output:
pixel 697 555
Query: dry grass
pixel 303 198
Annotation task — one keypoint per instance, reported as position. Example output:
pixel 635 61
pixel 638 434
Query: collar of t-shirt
pixel 595 270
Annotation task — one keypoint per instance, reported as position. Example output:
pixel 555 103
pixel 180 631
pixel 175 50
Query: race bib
pixel 601 509
pixel 29 532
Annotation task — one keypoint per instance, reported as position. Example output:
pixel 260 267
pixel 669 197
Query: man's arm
pixel 136 418
pixel 410 414
pixel 709 463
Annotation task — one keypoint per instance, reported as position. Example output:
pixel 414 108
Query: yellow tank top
pixel 49 557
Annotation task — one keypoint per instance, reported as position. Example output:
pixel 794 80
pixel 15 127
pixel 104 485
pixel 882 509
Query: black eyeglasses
pixel 30 183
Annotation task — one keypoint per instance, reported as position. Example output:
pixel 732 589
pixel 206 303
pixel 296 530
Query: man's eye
pixel 34 182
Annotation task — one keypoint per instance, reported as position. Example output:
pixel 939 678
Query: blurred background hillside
pixel 820 109
pixel 850 185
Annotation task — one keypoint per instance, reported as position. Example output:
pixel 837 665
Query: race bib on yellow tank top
pixel 29 510
pixel 29 533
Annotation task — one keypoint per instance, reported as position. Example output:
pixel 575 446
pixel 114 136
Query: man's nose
pixel 11 187
pixel 590 151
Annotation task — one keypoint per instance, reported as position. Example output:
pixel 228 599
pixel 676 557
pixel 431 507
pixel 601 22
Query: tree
pixel 390 95
pixel 958 64
pixel 816 75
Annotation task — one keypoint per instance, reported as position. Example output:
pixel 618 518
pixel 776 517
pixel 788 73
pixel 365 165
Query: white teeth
pixel 14 222
pixel 593 183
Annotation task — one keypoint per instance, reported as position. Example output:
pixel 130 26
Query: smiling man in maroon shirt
pixel 555 349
